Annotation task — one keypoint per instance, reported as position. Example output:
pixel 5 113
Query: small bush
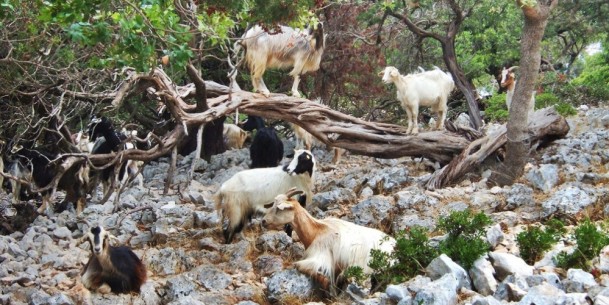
pixel 590 240
pixel 535 241
pixel 466 241
pixel 410 256
pixel 548 99
pixel 495 108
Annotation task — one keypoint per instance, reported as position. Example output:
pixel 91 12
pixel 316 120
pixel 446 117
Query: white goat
pixel 81 139
pixel 234 136
pixel 429 88
pixel 331 245
pixel 287 48
pixel 508 80
pixel 248 191
pixel 132 167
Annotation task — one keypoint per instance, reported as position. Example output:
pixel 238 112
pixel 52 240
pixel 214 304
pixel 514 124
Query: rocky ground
pixel 179 239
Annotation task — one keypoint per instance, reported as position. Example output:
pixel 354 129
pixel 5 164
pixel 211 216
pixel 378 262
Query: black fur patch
pixel 304 164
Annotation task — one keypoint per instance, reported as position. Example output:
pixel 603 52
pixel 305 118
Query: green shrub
pixel 548 99
pixel 535 241
pixel 590 240
pixel 466 240
pixel 410 256
pixel 495 108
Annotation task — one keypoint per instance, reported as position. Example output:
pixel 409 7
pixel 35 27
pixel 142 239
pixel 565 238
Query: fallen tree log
pixel 544 125
pixel 331 127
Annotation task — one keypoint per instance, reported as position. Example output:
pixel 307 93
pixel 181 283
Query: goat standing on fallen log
pixel 331 245
pixel 429 88
pixel 301 50
pixel 111 269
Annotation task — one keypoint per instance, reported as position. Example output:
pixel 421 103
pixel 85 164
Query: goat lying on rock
pixel 429 88
pixel 248 191
pixel 331 245
pixel 110 268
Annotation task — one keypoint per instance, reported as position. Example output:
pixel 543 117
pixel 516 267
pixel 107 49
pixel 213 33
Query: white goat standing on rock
pixel 428 88
pixel 331 245
pixel 286 48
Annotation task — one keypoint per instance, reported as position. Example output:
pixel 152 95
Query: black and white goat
pixel 110 268
pixel 108 140
pixel 266 149
pixel 248 191
pixel 40 167
pixel 286 48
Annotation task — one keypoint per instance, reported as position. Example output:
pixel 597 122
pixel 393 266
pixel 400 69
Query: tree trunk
pixel 464 85
pixel 518 138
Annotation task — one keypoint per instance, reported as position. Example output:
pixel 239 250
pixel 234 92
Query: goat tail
pixel 217 198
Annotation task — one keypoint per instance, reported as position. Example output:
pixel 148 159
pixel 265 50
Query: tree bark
pixel 545 124
pixel 518 138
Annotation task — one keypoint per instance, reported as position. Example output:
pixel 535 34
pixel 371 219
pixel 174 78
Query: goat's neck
pixel 306 226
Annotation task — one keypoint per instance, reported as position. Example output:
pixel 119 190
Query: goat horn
pixel 293 191
pixel 513 68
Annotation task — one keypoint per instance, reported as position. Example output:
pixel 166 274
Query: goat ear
pixel 83 240
pixel 115 239
pixel 285 206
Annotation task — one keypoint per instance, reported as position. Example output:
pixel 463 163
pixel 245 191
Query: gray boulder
pixel 288 283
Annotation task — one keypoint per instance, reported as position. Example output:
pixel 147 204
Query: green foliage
pixel 496 109
pixel 410 256
pixel 590 240
pixel 355 274
pixel 466 241
pixel 535 241
pixel 547 99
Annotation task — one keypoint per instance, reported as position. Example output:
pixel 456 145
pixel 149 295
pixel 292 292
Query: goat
pixel 286 48
pixel 81 140
pixel 41 167
pixel 115 269
pixel 248 191
pixel 234 136
pixel 429 88
pixel 508 81
pixel 266 149
pixel 108 140
pixel 305 140
pixel 331 245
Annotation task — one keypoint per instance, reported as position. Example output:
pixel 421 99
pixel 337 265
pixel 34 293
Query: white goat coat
pixel 343 244
pixel 249 190
pixel 429 88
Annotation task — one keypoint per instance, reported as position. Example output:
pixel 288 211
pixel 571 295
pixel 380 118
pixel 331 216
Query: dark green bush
pixel 535 241
pixel 548 99
pixel 466 240
pixel 495 108
pixel 590 240
pixel 410 256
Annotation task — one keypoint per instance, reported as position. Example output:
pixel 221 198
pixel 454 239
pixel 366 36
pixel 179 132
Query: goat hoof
pixel 104 289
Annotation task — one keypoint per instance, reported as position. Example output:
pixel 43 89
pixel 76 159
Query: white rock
pixel 506 264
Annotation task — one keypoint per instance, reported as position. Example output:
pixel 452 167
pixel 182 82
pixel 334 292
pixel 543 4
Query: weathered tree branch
pixel 544 124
